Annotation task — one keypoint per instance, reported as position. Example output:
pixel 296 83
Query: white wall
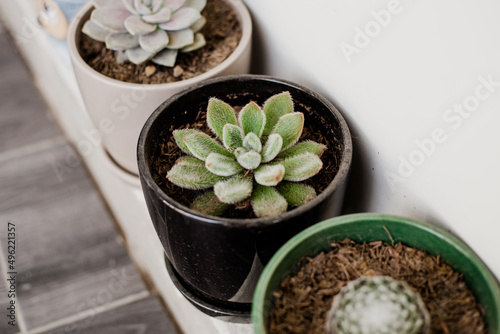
pixel 405 84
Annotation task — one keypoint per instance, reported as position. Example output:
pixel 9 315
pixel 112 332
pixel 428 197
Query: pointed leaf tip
pixel 219 113
pixel 275 107
pixel 232 136
pixel 201 145
pixel 301 148
pixel 272 147
pixel 179 138
pixel 290 127
pixel 252 119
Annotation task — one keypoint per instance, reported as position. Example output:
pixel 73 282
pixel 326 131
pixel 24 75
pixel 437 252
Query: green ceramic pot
pixel 370 227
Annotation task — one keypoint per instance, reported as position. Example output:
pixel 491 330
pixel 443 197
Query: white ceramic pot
pixel 119 109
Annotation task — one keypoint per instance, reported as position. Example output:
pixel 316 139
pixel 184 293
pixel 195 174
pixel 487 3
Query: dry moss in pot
pixel 372 273
pixel 217 259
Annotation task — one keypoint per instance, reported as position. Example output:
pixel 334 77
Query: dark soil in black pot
pixel 219 260
pixel 167 152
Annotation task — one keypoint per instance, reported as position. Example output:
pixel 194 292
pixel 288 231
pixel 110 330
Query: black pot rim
pixel 340 177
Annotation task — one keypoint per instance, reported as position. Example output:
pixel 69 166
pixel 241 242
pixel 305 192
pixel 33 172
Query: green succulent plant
pixel 377 305
pixel 254 160
pixel 142 30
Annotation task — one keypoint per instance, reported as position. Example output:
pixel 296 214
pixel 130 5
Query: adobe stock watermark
pixel 363 37
pixel 453 118
pixel 121 107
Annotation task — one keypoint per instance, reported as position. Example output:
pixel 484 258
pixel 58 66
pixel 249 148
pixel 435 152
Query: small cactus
pixel 142 30
pixel 377 305
pixel 255 158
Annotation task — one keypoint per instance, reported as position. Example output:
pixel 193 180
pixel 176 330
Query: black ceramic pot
pixel 216 262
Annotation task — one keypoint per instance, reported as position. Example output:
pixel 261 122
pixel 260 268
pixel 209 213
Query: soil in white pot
pixel 303 300
pixel 222 33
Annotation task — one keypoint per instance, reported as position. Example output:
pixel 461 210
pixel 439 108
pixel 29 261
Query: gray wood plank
pixel 23 115
pixel 142 317
pixel 69 256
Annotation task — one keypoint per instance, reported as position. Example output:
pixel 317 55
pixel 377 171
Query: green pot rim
pixel 316 238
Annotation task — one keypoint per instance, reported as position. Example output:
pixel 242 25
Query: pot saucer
pixel 225 313
pixel 118 170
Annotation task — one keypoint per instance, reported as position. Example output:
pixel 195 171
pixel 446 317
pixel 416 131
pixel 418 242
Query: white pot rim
pixel 246 27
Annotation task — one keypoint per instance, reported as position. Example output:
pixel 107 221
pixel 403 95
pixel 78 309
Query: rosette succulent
pixel 142 30
pixel 377 305
pixel 254 160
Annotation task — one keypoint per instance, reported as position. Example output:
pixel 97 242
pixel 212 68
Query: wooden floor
pixel 71 269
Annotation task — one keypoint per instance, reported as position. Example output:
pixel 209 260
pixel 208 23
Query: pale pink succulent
pixel 142 30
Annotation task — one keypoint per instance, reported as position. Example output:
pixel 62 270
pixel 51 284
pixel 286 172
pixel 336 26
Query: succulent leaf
pixel 296 194
pixel 181 38
pixel 162 15
pixel 267 201
pixel 196 4
pixel 269 175
pixel 201 145
pixel 240 151
pixel 249 160
pixel 176 4
pixel 95 31
pixel 136 26
pixel 190 173
pixel 275 107
pixel 252 119
pixel 157 5
pixel 154 41
pixel 165 26
pixel 198 24
pixel 129 5
pixel 377 304
pixel 179 138
pixel 289 127
pixel 250 173
pixel 121 56
pixel 222 165
pixel 121 41
pixel 301 167
pixel 181 19
pixel 272 147
pixel 252 142
pixel 110 18
pixel 165 57
pixel 141 7
pixel 139 55
pixel 301 148
pixel 209 204
pixel 232 137
pixel 219 113
pixel 199 42
pixel 234 190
